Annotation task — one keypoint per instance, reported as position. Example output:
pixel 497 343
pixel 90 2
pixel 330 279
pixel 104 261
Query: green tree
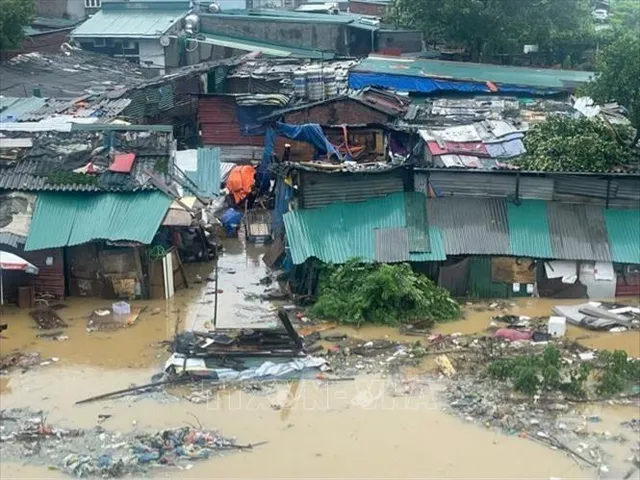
pixel 625 15
pixel 14 15
pixel 618 77
pixel 562 144
pixel 493 27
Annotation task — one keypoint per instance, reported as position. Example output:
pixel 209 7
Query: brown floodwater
pixel 346 430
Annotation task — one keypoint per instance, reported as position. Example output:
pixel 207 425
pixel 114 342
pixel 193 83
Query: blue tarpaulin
pixel 310 132
pixel 405 83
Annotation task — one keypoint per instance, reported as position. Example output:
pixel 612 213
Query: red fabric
pixel 513 335
pixel 122 162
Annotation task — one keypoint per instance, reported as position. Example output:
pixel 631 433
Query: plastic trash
pixel 121 308
pixel 557 326
pixel 230 220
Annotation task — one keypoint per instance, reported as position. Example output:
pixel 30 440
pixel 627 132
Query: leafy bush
pixel 617 373
pixel 530 373
pixel 562 144
pixel 356 293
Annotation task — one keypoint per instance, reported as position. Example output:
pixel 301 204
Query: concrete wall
pixel 405 41
pixel 75 9
pixel 60 8
pixel 51 8
pixel 320 36
pixel 152 55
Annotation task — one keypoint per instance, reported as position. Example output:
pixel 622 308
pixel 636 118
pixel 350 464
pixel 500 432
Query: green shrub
pixel 356 293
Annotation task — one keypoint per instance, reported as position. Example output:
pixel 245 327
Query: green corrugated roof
pixel 529 229
pixel 135 23
pixel 476 72
pixel 342 231
pixel 208 175
pixel 267 48
pixel 623 229
pixel 66 219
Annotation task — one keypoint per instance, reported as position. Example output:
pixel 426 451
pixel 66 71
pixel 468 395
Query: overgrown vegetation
pixel 562 144
pixel 356 293
pixel 613 373
pixel 14 14
pixel 618 77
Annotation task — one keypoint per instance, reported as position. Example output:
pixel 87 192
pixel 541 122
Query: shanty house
pixel 89 207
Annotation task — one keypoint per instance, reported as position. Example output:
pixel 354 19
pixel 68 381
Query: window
pixel 99 42
pixel 92 3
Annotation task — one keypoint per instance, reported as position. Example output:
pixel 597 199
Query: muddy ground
pixel 377 426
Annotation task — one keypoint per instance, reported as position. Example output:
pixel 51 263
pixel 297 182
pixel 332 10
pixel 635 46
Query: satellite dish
pixel 165 41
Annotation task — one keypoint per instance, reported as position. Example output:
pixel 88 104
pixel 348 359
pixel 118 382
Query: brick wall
pixel 336 113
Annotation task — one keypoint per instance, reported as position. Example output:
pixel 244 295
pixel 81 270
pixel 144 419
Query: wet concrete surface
pixel 346 430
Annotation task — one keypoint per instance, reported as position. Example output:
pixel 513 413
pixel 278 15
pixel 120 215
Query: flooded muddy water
pixel 347 430
pixel 355 429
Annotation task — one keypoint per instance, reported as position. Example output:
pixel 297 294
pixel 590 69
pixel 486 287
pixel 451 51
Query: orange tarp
pixel 240 182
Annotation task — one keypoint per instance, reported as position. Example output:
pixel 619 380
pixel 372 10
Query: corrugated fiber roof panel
pixel 341 231
pixel 208 174
pixel 529 229
pixel 67 219
pixel 129 24
pixel 471 226
pixel 577 232
pixel 623 229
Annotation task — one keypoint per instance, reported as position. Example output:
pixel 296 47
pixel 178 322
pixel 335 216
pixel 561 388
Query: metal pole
pixel 1 289
pixel 215 298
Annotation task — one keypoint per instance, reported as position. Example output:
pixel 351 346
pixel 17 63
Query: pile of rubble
pixel 25 436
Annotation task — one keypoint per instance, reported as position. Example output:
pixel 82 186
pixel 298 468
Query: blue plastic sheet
pixel 310 132
pixel 359 80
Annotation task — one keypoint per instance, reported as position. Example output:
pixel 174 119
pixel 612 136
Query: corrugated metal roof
pixel 436 244
pixel 266 48
pixel 529 229
pixel 128 24
pixel 11 239
pixel 342 231
pixel 623 231
pixel 320 189
pixel 208 175
pixel 66 219
pixel 391 245
pixel 577 232
pixel 476 72
pixel 472 184
pixel 417 225
pixel 471 226
pixel 22 106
